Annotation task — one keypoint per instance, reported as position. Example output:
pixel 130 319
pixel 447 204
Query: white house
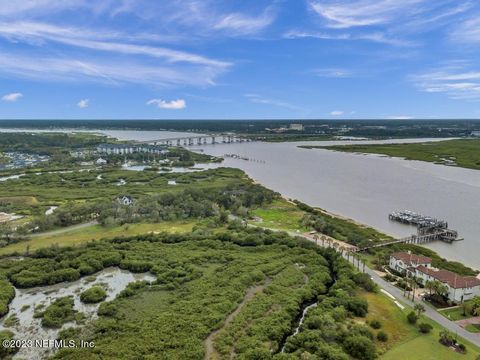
pixel 125 200
pixel 172 182
pixel 404 261
pixel 101 161
pixel 460 288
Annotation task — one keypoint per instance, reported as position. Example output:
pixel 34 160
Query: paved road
pixel 63 230
pixel 429 312
pixel 398 294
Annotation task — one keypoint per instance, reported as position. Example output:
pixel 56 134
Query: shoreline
pixel 358 223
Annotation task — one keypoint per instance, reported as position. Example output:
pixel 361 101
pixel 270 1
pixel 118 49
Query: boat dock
pixel 429 229
pixel 420 221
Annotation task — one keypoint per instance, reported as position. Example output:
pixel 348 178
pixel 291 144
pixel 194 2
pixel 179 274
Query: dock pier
pixel 429 229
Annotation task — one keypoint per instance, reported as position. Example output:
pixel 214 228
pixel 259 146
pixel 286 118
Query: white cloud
pixel 394 22
pixel 170 105
pixel 337 113
pixel 354 13
pixel 83 104
pixel 145 64
pixel 109 71
pixel 12 97
pixel 84 38
pixel 333 73
pixel 199 18
pixel 467 31
pixel 374 37
pixel 244 24
pixel 17 8
pixel 456 81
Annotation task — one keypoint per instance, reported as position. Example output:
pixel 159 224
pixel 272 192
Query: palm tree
pixel 419 308
pixel 440 289
pixel 430 286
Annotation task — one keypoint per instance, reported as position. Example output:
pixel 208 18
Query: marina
pixel 420 221
pixel 428 228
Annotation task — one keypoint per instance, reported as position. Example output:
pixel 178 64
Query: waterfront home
pixel 402 261
pixel 460 288
pixel 123 149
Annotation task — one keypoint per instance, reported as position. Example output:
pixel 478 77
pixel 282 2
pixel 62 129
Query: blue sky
pixel 239 59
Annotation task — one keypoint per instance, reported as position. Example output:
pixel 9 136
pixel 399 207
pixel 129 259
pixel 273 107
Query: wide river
pixel 368 187
pixel 365 188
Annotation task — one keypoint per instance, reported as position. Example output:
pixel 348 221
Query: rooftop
pixel 411 259
pixel 453 280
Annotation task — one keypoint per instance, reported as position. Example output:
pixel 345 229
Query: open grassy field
pixel 463 153
pixel 281 215
pixel 96 232
pixel 405 341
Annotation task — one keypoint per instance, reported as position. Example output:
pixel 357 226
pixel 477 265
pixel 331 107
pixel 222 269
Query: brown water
pixel 368 187
pixel 362 187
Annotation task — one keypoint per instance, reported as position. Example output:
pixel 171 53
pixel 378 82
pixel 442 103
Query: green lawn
pixel 463 152
pixel 96 232
pixel 405 341
pixel 281 215
pixel 455 313
pixel 474 328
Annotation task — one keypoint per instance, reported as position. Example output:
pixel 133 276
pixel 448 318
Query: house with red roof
pixel 460 288
pixel 402 261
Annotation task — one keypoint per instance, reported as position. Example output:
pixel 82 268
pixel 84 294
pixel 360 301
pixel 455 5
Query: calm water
pixel 368 187
pixel 362 187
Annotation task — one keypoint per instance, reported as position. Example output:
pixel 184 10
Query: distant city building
pixel 476 133
pixel 101 161
pixel 296 127
pixel 125 200
pixel 122 149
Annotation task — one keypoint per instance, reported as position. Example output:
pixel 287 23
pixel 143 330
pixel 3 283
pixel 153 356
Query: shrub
pixel 365 281
pixel 462 348
pixel 412 317
pixel 107 309
pixel 58 313
pixel 375 324
pixel 7 293
pixel 93 295
pixel 425 328
pixel 358 306
pixel 389 278
pixel 6 352
pixel 382 336
pixel 360 347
